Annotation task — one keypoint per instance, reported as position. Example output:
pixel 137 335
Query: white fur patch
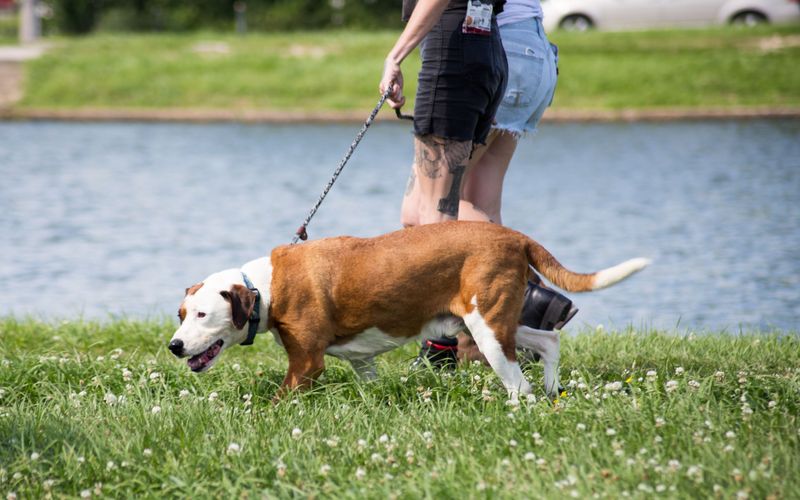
pixel 608 277
pixel 509 372
pixel 548 345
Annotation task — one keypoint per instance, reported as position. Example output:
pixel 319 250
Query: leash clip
pixel 302 233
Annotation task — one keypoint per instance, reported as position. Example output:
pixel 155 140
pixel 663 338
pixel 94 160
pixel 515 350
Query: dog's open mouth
pixel 203 360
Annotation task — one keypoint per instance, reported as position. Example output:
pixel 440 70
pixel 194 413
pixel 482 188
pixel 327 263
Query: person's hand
pixel 394 77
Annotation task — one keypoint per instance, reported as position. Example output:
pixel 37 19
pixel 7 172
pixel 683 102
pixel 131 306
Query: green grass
pixel 8 30
pixel 340 70
pixel 423 434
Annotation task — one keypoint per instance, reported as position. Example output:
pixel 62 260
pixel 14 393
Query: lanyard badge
pixel 479 18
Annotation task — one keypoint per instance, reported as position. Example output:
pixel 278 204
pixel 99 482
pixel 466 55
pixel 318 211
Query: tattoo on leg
pixel 449 205
pixel 411 180
pixel 429 160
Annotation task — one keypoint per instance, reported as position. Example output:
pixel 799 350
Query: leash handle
pixel 401 116
pixel 302 233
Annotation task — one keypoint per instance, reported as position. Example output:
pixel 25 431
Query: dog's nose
pixel 176 346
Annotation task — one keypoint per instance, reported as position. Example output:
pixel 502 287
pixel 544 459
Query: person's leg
pixel 409 211
pixel 440 167
pixel 483 186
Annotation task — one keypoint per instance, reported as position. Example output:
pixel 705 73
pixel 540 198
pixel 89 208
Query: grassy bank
pixel 340 70
pixel 90 409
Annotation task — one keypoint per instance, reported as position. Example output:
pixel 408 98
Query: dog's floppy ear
pixel 193 289
pixel 242 302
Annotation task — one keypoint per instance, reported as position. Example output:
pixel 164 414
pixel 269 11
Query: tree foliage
pixel 83 16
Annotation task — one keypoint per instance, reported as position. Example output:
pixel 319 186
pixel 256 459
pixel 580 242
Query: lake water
pixel 103 220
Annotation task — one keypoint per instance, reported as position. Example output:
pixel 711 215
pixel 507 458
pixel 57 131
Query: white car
pixel 581 15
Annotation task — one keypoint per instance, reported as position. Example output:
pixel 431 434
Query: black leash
pixel 302 233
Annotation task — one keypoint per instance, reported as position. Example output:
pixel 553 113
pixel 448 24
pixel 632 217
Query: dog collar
pixel 255 316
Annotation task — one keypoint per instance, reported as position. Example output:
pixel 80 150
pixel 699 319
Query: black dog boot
pixel 545 309
pixel 440 353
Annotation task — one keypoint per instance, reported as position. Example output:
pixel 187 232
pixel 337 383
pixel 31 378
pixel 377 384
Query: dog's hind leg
pixel 507 369
pixel 548 346
pixel 365 369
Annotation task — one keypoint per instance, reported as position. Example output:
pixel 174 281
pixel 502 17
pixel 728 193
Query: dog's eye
pixel 201 315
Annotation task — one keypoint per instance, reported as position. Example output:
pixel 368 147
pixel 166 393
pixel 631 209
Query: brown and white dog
pixel 355 298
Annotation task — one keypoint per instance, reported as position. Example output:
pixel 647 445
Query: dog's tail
pixel 544 262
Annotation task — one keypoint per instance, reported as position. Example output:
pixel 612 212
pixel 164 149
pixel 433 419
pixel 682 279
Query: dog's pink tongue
pixel 202 359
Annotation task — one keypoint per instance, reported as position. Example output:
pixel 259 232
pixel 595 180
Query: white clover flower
pixel 772 404
pixel 694 384
pixel 324 470
pixel 476 378
pixel 660 488
pixel 86 493
pixel 34 456
pixel 376 457
pixel 155 376
pixel 11 496
pixel 147 452
pixel 613 386
pixel 100 359
pixel 281 469
pixel 651 374
pixel 582 386
pixel 110 399
pixel 611 432
pixel 403 379
pixel 236 367
pixel 694 472
pixel 332 442
pixel 730 435
pixel 296 433
pixel 360 473
pixel 679 371
pixel 362 443
pixel 213 396
pixel 719 375
pixel 81 459
pixel 110 465
pixel 17 476
pixel 660 422
pixel 512 443
pixel 658 439
pixel 383 439
pixel 671 385
pixel 234 449
pixel 155 410
pixel 127 374
pixel 530 456
pixel 674 465
pixel 512 402
pixel 48 484
pixel 427 435
pixel 184 393
pixel 742 495
pixel 530 398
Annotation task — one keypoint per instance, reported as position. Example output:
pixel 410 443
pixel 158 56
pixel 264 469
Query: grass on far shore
pixel 90 409
pixel 339 70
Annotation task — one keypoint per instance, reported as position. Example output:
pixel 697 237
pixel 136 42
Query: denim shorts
pixel 532 63
pixel 461 82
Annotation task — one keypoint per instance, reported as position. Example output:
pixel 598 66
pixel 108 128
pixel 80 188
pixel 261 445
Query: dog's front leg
pixel 365 369
pixel 304 367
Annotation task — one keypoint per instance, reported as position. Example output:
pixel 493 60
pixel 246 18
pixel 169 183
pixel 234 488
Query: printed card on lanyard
pixel 479 18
